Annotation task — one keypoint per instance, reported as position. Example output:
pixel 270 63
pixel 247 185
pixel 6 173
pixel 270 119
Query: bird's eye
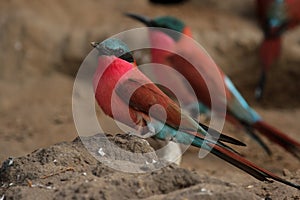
pixel 120 51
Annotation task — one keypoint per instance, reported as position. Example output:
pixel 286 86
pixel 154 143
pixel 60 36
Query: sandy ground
pixel 43 44
pixel 68 171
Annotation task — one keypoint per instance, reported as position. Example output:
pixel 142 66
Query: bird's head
pixel 114 59
pixel 114 47
pixel 167 22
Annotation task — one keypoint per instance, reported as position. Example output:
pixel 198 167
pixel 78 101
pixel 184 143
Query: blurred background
pixel 42 44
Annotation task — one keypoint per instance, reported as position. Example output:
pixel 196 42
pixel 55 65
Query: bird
pixel 238 111
pixel 115 78
pixel 275 18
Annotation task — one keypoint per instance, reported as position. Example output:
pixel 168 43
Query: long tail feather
pixel 278 137
pixel 198 141
pixel 216 134
pixel 258 139
pixel 249 130
pixel 222 151
pixel 245 165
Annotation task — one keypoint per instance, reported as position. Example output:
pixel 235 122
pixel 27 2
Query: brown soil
pixel 68 171
pixel 42 46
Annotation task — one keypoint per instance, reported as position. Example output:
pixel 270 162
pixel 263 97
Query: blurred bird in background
pixel 275 18
pixel 117 80
pixel 238 111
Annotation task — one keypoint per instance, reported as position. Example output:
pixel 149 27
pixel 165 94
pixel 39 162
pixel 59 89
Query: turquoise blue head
pixel 164 22
pixel 113 47
pixel 169 23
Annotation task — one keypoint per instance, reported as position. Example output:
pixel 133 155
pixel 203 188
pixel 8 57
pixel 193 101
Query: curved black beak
pixel 145 20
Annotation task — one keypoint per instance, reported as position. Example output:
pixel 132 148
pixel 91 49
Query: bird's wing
pixel 146 94
pixel 203 75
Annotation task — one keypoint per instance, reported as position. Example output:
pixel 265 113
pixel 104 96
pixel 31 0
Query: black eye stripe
pixel 102 50
pixel 128 57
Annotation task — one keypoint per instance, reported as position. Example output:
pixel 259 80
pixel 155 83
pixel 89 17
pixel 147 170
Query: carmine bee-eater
pixel 115 79
pixel 275 18
pixel 238 110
